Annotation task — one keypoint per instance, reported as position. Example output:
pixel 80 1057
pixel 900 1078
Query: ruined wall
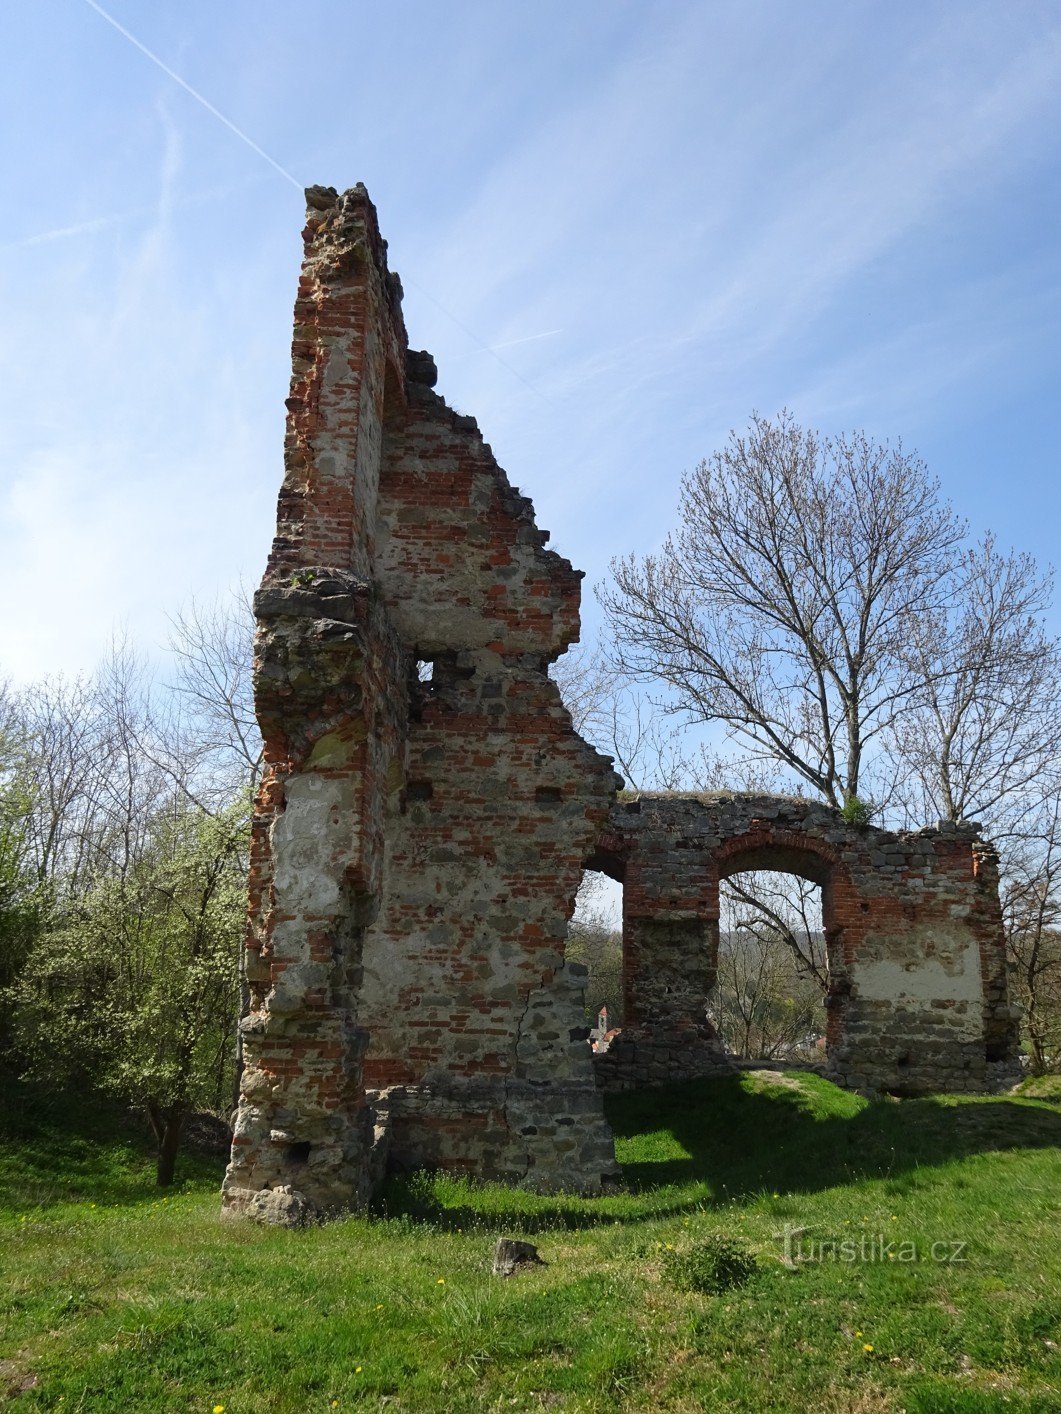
pixel 913 930
pixel 416 846
pixel 427 809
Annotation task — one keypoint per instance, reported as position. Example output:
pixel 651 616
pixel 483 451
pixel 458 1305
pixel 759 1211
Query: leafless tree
pixel 212 648
pixel 763 1006
pixel 608 710
pixel 62 731
pixel 981 734
pixel 1032 911
pixel 779 910
pixel 782 606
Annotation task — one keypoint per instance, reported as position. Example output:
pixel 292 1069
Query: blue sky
pixel 621 227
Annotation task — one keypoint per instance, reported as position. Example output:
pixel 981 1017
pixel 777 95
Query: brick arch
pixel 786 851
pixel 790 852
pixel 780 850
pixel 609 855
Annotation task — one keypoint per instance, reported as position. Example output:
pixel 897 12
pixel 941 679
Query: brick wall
pixel 417 846
pixel 913 930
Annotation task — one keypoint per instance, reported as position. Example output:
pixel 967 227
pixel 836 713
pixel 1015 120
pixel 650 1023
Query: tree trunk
pixel 166 1125
pixel 243 1009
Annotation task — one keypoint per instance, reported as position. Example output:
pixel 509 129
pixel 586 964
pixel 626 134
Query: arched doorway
pixel 773 973
pixel 815 863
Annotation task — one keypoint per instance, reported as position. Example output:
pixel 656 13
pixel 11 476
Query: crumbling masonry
pixel 427 811
pixel 917 995
pixel 427 807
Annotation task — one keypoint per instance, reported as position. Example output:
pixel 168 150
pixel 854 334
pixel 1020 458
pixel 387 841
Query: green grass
pixel 114 1298
pixel 1041 1087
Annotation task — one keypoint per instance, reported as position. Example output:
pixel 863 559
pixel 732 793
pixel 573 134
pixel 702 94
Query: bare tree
pixel 215 724
pixel 1032 911
pixel 981 732
pixel 782 605
pixel 763 1006
pixel 63 732
pixel 779 910
pixel 607 709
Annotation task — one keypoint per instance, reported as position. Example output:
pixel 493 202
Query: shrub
pixel 857 812
pixel 713 1266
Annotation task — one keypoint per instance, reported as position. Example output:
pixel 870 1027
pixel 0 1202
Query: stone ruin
pixel 917 996
pixel 427 811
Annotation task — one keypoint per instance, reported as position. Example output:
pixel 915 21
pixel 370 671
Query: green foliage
pixel 599 948
pixel 133 986
pixel 712 1266
pixel 857 812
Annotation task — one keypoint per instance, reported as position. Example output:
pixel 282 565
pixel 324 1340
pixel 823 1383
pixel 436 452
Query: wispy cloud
pixel 508 344
pixel 111 220
pixel 620 228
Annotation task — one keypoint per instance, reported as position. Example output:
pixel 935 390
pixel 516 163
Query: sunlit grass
pixel 152 1303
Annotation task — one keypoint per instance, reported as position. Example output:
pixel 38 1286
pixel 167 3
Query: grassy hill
pixel 112 1297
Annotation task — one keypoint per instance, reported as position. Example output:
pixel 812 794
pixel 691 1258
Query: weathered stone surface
pixel 426 808
pixel 510 1255
pixel 913 931
pixel 282 1207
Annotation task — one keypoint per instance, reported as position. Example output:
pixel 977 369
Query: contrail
pixel 216 113
pixel 116 218
pixel 194 93
pixel 482 344
pixel 527 339
pixel 97 223
pixel 506 344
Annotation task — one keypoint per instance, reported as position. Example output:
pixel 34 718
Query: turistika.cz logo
pixel 800 1247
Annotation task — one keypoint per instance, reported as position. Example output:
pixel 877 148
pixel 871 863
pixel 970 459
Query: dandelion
pixel 441 1281
pixel 868 1349
pixel 894 1218
pixel 379 1305
pixel 219 1409
pixel 858 1333
pixel 358 1370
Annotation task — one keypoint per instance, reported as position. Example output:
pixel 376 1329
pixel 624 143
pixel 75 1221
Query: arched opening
pixel 595 940
pixel 805 877
pixel 773 973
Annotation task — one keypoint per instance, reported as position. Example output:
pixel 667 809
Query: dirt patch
pixel 15 1379
pixel 775 1077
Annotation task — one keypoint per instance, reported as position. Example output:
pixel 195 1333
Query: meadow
pixel 920 1272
